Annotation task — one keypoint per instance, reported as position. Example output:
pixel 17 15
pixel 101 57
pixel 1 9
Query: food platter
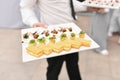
pixel 111 4
pixel 56 40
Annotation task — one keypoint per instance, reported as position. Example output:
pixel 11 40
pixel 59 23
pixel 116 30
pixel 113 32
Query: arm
pixel 100 10
pixel 103 10
pixel 92 9
pixel 78 7
pixel 28 14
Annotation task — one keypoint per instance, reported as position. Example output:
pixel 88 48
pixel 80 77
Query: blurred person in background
pixel 115 23
pixel 99 26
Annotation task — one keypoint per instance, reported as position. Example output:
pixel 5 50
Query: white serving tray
pixel 102 5
pixel 26 57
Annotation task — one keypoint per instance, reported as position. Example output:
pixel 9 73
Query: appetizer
pixel 35 35
pixel 86 43
pixel 72 36
pixel 25 36
pixel 32 42
pixel 63 36
pixel 46 33
pixel 70 29
pixel 82 34
pixel 58 47
pixel 52 39
pixel 47 50
pixel 63 29
pixel 39 46
pixel 54 31
pixel 35 51
pixel 41 40
pixel 75 44
pixel 67 45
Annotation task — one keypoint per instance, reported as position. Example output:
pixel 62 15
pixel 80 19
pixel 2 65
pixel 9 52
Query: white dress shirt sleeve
pixel 27 12
pixel 78 7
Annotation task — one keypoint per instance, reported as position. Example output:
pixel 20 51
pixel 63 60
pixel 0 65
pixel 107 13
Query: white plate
pixel 102 5
pixel 26 57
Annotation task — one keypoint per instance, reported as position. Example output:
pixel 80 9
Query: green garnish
pixel 52 38
pixel 41 40
pixel 47 34
pixel 82 32
pixel 72 34
pixel 63 35
pixel 32 41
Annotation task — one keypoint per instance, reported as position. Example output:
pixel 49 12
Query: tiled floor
pixel 93 66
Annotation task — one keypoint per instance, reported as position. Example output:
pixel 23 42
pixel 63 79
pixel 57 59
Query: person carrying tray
pixel 54 12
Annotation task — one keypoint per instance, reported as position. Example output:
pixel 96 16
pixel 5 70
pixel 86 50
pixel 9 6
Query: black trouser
pixel 55 65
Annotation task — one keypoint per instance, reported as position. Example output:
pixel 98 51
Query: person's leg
pixel 72 66
pixel 113 23
pixel 99 30
pixel 119 26
pixel 54 67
